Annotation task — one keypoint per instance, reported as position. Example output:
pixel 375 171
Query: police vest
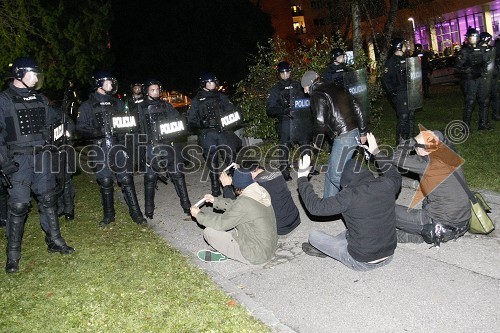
pixel 26 122
pixel 211 109
pixel 162 124
pixel 102 112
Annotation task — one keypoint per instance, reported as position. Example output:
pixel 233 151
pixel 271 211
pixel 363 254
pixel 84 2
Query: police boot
pixel 483 120
pixel 4 209
pixel 53 238
pixel 215 184
pixel 181 189
pixel 17 217
pixel 128 189
pixel 108 206
pixel 68 197
pixel 149 194
pixel 467 116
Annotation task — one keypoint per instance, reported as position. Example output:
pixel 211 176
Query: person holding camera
pixel 246 231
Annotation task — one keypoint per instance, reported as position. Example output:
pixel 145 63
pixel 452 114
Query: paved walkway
pixel 452 289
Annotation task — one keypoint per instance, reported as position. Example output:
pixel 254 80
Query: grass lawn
pixel 440 112
pixel 123 278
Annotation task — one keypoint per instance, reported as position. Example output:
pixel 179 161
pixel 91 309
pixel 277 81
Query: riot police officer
pixel 491 69
pixel 25 116
pixel 394 80
pixel 472 62
pixel 334 73
pixel 102 118
pixel 207 109
pixel 163 126
pixel 424 59
pixel 289 105
pixel 495 94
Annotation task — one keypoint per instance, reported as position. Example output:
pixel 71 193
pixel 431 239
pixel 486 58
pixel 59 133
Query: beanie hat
pixel 241 179
pixel 308 78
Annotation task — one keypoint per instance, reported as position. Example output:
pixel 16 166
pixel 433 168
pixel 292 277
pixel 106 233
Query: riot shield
pixel 231 120
pixel 356 83
pixel 172 129
pixel 300 120
pixel 414 83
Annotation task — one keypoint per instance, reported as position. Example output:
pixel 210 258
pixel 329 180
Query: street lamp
pixel 412 23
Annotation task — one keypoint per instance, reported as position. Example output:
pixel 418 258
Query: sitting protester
pixel 285 210
pixel 445 212
pixel 246 231
pixel 367 206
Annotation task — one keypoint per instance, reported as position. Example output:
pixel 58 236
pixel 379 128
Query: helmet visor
pixel 33 78
pixel 109 85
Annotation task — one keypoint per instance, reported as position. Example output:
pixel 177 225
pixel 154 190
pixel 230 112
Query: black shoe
pixel 69 216
pixel 62 247
pixel 107 220
pixel 149 215
pixel 140 220
pixel 496 118
pixel 312 251
pixel 314 172
pixel 12 266
pixel 484 128
pixel 3 223
pixel 216 193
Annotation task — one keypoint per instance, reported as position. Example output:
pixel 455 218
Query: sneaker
pixel 312 251
pixel 211 256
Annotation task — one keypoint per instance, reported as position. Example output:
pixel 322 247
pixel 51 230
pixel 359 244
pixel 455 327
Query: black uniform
pixel 426 68
pixel 495 95
pixel 162 124
pixel 472 63
pixel 289 105
pixel 108 155
pixel 205 114
pixel 394 81
pixel 25 117
pixel 334 73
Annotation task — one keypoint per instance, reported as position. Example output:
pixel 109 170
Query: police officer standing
pixel 394 81
pixel 334 73
pixel 491 70
pixel 205 112
pixel 424 59
pixel 472 62
pixel 289 105
pixel 495 94
pixel 162 124
pixel 108 155
pixel 25 116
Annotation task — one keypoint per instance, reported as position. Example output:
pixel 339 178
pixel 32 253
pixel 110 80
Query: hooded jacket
pixel 252 216
pixel 367 205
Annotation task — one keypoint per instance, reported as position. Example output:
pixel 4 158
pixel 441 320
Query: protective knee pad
pixel 127 180
pixel 48 200
pixel 19 208
pixel 106 182
pixel 150 179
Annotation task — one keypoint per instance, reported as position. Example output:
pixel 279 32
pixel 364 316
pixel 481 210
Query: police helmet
pixel 471 32
pixel 397 44
pixel 418 46
pixel 337 52
pixel 485 37
pixel 208 77
pixel 283 67
pixel 100 77
pixel 148 83
pixel 22 65
pixel 134 84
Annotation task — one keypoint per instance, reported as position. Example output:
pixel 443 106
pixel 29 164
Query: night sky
pixel 176 41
